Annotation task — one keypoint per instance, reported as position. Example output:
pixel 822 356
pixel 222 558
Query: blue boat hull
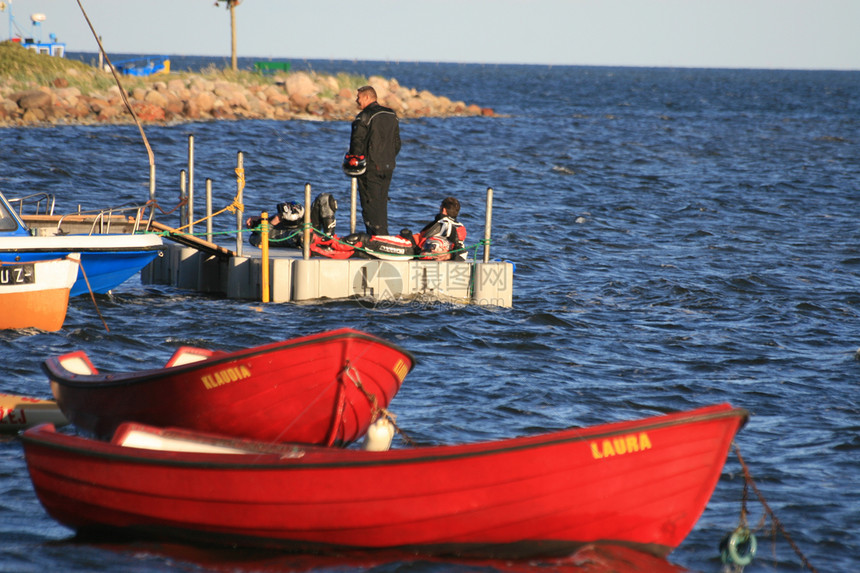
pixel 106 271
pixel 147 66
pixel 107 260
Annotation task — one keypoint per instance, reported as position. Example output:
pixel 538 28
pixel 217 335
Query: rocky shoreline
pixel 178 98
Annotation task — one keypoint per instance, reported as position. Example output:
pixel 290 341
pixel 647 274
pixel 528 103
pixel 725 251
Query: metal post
pixel 183 195
pixel 306 235
pixel 352 195
pixel 488 224
pixel 190 184
pixel 208 209
pixel 240 184
pixel 264 246
pixel 233 62
pixel 152 182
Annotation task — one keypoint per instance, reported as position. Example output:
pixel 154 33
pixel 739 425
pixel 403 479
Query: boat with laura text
pixel 641 484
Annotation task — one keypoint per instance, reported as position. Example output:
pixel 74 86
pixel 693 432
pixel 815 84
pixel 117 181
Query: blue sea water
pixel 682 237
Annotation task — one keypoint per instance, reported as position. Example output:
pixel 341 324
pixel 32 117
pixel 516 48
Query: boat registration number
pixel 22 274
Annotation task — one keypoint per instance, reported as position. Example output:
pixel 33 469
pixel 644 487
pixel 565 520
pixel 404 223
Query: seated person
pixel 442 235
pixel 284 227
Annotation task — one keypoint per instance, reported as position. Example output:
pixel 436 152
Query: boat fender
pixel 379 436
pixel 738 547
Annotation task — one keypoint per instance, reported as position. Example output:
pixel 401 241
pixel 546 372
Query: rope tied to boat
pixel 353 375
pixel 92 296
pixel 234 205
pixel 739 547
pixel 307 408
pixel 182 202
pixel 376 411
pixel 86 280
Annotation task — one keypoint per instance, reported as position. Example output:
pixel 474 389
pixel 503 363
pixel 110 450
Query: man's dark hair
pixel 368 89
pixel 451 206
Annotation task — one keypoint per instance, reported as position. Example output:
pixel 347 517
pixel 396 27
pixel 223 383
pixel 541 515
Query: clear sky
pixel 789 34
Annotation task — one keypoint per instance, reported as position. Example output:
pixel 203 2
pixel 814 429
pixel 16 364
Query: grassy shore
pixel 39 89
pixel 22 69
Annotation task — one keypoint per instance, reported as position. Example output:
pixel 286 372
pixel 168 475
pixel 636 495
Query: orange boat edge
pixel 641 484
pixel 36 294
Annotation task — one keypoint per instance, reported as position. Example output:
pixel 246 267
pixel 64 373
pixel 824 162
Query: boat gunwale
pixel 148 242
pixel 289 461
pixel 62 376
pixel 131 249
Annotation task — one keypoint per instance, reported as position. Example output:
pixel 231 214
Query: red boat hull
pixel 642 484
pixel 320 389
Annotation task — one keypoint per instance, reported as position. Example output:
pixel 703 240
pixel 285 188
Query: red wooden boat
pixel 642 484
pixel 321 389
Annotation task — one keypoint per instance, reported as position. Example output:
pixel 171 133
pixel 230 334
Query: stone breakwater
pixel 190 97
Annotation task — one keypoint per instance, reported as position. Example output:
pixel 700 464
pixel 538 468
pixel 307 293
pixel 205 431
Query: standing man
pixel 375 139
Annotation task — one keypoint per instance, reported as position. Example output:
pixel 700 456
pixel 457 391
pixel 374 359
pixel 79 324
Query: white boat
pixel 107 260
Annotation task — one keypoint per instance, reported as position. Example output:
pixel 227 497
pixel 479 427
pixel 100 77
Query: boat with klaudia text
pixel 326 388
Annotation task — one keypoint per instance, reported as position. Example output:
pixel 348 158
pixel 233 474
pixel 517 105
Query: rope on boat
pixel 768 512
pixel 182 202
pixel 376 410
pixel 86 280
pixel 352 374
pixel 92 296
pixel 124 95
pixel 234 206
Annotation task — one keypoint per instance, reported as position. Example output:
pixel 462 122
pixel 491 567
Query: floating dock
pixel 292 278
pixel 291 275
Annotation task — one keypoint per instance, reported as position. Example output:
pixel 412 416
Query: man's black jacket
pixel 376 135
